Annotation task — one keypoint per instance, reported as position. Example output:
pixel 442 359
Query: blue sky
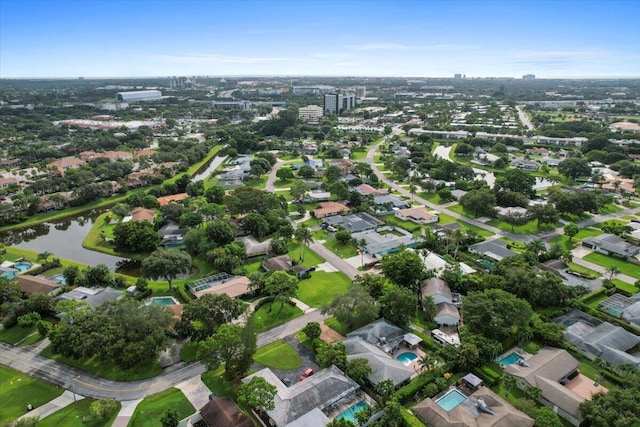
pixel 104 38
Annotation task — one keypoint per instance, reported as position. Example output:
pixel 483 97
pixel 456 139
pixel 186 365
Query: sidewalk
pixel 195 391
pixel 62 401
pixel 126 412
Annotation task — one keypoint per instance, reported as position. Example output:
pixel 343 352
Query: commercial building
pixel 529 77
pixel 139 95
pixel 312 90
pixel 336 103
pixel 230 105
pixel 310 113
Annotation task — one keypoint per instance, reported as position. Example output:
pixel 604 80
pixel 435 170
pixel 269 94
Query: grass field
pixel 322 287
pixel 445 219
pixel 605 261
pixel 587 272
pixel 311 259
pixel 15 334
pixel 74 414
pixel 626 287
pixel 271 314
pixel 152 408
pixel 343 251
pixel 17 390
pixel 334 324
pixel 107 370
pixel 278 355
pixel 564 242
pixel 189 351
pixel 218 385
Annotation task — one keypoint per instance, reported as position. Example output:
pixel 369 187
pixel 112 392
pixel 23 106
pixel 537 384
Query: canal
pixel 63 238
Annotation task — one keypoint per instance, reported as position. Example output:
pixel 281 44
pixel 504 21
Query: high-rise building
pixel 336 103
pixel 457 76
pixel 361 92
pixel 310 113
pixel 529 77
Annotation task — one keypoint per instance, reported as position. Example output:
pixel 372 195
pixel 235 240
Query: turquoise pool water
pixel 510 359
pixel 407 357
pixel 22 266
pixel 164 301
pixel 451 400
pixel 350 413
pixel 60 279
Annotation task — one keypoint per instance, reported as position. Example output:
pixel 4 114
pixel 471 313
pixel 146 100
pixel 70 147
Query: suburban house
pixel 383 365
pixel 526 164
pixel 386 205
pixel 419 215
pixel 66 163
pixel 312 398
pixel 354 223
pixel 285 263
pixel 479 407
pixel 344 164
pixel 317 196
pixel 631 313
pixel 494 249
pixel 92 296
pixel 439 291
pixel 221 412
pixel 9 272
pixel 386 336
pixel 165 200
pixel 602 339
pixel 33 285
pixel 386 240
pixel 7 182
pixel 143 214
pixel 610 244
pixel 218 284
pixel 555 372
pixel 367 190
pixel 330 209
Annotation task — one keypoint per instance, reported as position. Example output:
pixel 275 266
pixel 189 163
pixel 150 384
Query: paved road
pixel 335 260
pixel 271 179
pixel 524 118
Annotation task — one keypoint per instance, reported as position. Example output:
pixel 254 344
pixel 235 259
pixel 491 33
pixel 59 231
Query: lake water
pixel 63 238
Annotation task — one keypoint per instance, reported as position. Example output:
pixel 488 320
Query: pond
pixel 210 168
pixel 63 238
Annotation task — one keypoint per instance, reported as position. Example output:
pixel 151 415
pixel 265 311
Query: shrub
pixel 312 330
pixel 28 320
pixel 43 328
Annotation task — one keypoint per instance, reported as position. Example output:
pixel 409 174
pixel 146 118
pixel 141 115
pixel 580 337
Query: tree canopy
pixel 404 268
pixel 166 264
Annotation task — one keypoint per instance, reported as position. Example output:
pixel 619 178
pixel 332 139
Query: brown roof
pixel 329 208
pixel 165 200
pixel 32 284
pixel 143 214
pixel 146 152
pixel 466 414
pixel 223 412
pixel 235 287
pixel 367 190
pixel 435 286
pixel 282 262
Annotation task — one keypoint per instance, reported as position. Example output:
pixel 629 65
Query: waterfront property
pixel 34 284
pixel 221 283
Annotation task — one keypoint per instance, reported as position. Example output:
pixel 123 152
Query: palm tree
pixel 613 271
pixel 536 246
pixel 44 256
pixel 509 382
pixel 304 236
pixel 361 245
pixel 427 363
pixel 533 392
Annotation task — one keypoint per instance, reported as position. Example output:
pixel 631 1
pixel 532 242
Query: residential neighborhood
pixel 319 250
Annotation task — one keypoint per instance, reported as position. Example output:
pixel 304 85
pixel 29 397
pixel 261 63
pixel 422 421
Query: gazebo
pixel 470 383
pixel 412 340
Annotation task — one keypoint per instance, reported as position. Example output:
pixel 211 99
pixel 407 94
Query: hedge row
pixel 488 375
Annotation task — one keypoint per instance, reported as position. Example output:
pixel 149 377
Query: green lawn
pixel 565 243
pixel 609 208
pixel 431 196
pixel 333 323
pixel 624 286
pixel 478 230
pixel 271 314
pixel 152 408
pixel 311 259
pixel 343 251
pixel 17 390
pixel 606 261
pixel 586 272
pixel 529 228
pixel 75 414
pixel 15 334
pixel 32 339
pixel 188 352
pixel 445 219
pixel 278 355
pixel 320 289
pixel 105 369
pixel 218 385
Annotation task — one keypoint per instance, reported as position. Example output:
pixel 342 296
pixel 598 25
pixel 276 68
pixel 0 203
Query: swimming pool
pixel 451 400
pixel 350 413
pixel 510 359
pixel 22 265
pixel 407 357
pixel 163 301
pixel 60 279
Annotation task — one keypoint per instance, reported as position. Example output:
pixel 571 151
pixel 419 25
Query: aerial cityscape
pixel 331 214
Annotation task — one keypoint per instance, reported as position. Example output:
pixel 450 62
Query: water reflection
pixel 64 239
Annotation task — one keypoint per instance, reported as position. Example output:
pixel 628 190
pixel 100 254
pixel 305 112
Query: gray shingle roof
pixel 383 366
pixel 380 333
pixel 606 341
